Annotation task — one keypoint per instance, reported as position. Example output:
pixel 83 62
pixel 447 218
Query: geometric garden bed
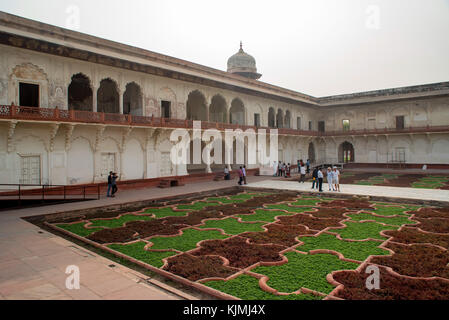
pixel 282 246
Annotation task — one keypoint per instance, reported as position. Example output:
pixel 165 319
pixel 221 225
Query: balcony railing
pixel 43 114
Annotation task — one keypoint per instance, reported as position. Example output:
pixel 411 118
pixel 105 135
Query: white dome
pixel 243 64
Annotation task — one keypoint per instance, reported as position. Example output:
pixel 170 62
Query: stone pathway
pixel 33 262
pixel 390 192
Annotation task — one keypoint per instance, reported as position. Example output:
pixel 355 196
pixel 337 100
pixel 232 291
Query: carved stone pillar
pixel 120 99
pixel 94 99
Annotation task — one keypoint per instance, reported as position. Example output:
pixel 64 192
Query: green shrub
pixel 233 226
pixel 78 229
pixel 394 221
pixel 308 271
pixel 165 212
pixel 362 230
pixel 187 241
pixel 263 215
pixel 136 250
pixel 247 288
pixel 119 222
pixel 351 250
pixel 197 205
pixel 288 208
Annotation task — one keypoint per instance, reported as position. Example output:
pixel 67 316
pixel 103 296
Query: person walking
pixel 336 179
pixel 244 174
pixel 227 176
pixel 330 178
pixel 320 180
pixel 308 166
pixel 288 170
pixel 108 193
pixel 280 169
pixel 302 171
pixel 275 168
pixel 240 176
pixel 315 178
pixel 114 184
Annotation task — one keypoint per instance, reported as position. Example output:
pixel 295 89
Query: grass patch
pixel 390 211
pixel 165 212
pixel 263 215
pixel 288 208
pixel 247 196
pixel 362 230
pixel 351 250
pixel 197 205
pixel 115 223
pixel 233 226
pixel 225 200
pixel 78 229
pixel 303 270
pixel 395 221
pixel 136 250
pixel 305 202
pixel 247 288
pixel 187 241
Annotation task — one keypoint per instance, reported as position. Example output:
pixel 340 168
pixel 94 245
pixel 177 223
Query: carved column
pixel 120 99
pixel 94 99
pixel 11 130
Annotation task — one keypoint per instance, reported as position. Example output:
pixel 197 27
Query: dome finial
pixel 241 46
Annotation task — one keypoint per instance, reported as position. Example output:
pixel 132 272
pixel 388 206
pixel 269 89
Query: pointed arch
pixel 197 106
pixel 80 94
pixel 237 112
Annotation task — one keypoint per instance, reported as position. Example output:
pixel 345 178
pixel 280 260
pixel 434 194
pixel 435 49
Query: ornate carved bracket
pixel 53 131
pixel 99 137
pixel 68 136
pixel 125 135
pixel 11 131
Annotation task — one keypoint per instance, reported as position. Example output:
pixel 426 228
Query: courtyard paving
pixel 33 262
pixel 390 192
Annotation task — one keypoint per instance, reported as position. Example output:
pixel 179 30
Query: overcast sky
pixel 318 47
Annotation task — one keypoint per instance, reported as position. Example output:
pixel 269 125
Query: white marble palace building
pixel 74 107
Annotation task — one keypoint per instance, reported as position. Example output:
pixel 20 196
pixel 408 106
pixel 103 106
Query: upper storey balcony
pixel 47 115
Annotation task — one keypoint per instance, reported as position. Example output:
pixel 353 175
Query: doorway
pixel 28 95
pixel 321 126
pixel 165 109
pixel 346 152
pixel 166 164
pixel 400 122
pixel 30 170
pixel 107 164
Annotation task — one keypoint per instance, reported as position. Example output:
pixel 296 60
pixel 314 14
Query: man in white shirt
pixel 275 168
pixel 330 176
pixel 244 174
pixel 320 180
pixel 303 173
pixel 336 179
